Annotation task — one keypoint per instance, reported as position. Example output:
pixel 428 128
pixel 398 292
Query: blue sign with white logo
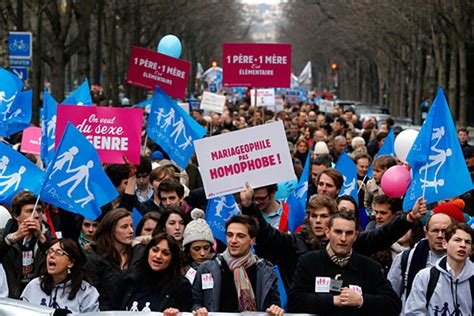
pixel 20 44
pixel 14 62
pixel 21 72
pixel 213 87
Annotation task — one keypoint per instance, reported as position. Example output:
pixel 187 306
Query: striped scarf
pixel 246 296
pixel 339 260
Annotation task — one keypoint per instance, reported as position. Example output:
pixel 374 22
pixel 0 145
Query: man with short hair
pixel 318 164
pixel 340 145
pixel 451 278
pixel 143 190
pixel 272 210
pixel 330 182
pixel 171 193
pixel 236 280
pixel 336 280
pixel 362 161
pixel 463 136
pixel 425 254
pixel 23 243
pixel 385 209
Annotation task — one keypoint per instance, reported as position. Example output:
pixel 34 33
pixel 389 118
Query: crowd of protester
pixel 337 263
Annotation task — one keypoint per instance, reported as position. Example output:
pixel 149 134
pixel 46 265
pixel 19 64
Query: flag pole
pixel 33 215
pixel 365 177
pixel 256 108
pixel 144 145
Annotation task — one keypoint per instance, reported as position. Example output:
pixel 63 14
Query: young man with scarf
pixel 236 280
pixel 338 281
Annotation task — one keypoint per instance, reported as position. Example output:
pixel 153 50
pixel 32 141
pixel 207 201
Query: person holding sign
pixel 236 280
pixel 337 280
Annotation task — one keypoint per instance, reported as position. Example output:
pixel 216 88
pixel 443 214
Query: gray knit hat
pixel 197 229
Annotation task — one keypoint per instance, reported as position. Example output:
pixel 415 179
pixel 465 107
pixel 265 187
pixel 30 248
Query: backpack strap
pixel 471 285
pixel 403 266
pixel 434 277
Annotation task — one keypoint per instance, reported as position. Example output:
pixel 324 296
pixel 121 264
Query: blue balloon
pixel 170 45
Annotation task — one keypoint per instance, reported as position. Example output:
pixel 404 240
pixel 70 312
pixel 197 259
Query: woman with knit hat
pixel 197 243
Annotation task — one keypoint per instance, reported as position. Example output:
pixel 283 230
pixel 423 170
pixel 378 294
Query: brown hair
pixel 104 235
pixel 451 230
pixel 384 162
pixel 21 199
pixel 335 175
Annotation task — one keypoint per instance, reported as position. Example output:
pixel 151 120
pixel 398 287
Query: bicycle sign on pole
pixel 20 45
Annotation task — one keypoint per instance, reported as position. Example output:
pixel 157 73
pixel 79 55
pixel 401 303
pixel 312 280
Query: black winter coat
pixel 133 287
pixel 284 249
pixel 378 296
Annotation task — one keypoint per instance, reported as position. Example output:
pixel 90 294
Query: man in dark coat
pixel 338 281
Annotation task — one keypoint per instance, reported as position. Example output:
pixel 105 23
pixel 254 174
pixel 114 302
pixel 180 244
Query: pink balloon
pixel 395 181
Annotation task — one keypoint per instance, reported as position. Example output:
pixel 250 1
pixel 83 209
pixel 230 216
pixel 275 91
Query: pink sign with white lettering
pixel 256 65
pixel 31 140
pixel 148 69
pixel 114 132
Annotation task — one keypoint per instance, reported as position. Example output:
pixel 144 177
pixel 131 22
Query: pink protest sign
pixel 114 132
pixel 148 69
pixel 256 65
pixel 31 140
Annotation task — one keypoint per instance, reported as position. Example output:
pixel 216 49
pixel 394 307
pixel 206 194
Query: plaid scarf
pixel 246 296
pixel 340 261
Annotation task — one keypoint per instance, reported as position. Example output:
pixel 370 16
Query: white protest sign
pixel 326 106
pixel 213 102
pixel 259 155
pixel 279 104
pixel 265 97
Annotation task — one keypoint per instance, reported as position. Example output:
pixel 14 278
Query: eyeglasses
pixel 57 252
pixel 260 198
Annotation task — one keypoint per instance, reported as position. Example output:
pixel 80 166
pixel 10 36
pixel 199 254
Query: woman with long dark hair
pixel 62 285
pixel 156 283
pixel 113 254
pixel 172 221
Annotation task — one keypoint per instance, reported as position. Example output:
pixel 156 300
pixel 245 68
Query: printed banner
pixel 213 102
pixel 114 132
pixel 265 97
pixel 259 155
pixel 293 96
pixel 148 68
pixel 326 106
pixel 257 65
pixel 31 140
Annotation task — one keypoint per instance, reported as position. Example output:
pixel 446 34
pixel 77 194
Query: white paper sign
pixel 326 106
pixel 213 102
pixel 265 97
pixel 278 104
pixel 259 155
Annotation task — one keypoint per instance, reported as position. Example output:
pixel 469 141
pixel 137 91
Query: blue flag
pixel 146 104
pixel 75 179
pixel 172 128
pixel 137 217
pixel 17 173
pixel 80 96
pixel 281 288
pixel 297 200
pixel 387 149
pixel 48 127
pixel 346 166
pixel 219 210
pixel 439 170
pixel 17 116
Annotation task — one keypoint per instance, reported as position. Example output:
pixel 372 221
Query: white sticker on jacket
pixel 207 281
pixel 322 284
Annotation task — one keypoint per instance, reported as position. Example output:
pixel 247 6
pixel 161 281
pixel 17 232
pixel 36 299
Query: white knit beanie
pixel 197 229
pixel 321 148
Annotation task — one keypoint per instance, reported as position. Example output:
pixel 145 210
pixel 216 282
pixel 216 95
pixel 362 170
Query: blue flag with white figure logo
pixel 17 173
pixel 75 179
pixel 346 166
pixel 146 104
pixel 17 116
pixel 387 149
pixel 439 170
pixel 172 128
pixel 48 127
pixel 219 210
pixel 297 199
pixel 80 96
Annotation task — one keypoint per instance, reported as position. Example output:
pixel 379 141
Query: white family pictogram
pixel 232 209
pixel 169 119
